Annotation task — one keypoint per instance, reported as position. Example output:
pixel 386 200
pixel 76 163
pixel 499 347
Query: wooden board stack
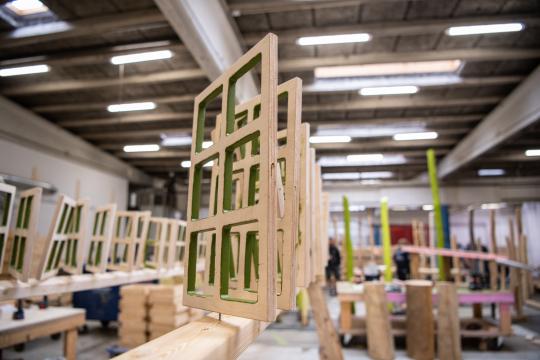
pixel 132 330
pixel 166 311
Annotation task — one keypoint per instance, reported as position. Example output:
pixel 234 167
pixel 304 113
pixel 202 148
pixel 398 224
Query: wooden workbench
pixel 38 323
pixel 354 325
pixel 13 289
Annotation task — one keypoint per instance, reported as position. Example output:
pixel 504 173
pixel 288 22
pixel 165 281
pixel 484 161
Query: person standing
pixel 333 266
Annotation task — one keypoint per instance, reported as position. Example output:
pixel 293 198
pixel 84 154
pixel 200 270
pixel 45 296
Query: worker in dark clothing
pixel 401 259
pixel 333 266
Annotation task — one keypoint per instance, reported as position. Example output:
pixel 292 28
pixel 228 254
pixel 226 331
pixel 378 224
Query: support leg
pixel 330 348
pixel 70 344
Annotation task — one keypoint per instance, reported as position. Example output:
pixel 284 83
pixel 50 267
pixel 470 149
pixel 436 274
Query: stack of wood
pixel 166 310
pixel 132 330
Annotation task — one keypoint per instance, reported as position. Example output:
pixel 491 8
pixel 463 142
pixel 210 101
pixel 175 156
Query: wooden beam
pixel 379 329
pixel 256 7
pixel 519 110
pixel 78 85
pixel 162 154
pixel 448 327
pixel 10 290
pixel 211 35
pixel 393 28
pixel 188 98
pixel 440 120
pixel 303 64
pixel 292 65
pixel 419 323
pixel 61 30
pixel 101 55
pixel 205 339
pixel 401 103
pixel 128 119
pixel 102 105
pixel 329 346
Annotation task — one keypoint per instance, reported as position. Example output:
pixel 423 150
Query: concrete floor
pixel 288 340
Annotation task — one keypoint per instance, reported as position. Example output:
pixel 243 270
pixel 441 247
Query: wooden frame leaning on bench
pixel 25 234
pixel 100 241
pixel 7 198
pixel 64 246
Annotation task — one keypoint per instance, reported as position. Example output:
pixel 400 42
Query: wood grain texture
pixel 448 326
pixel 419 322
pixel 329 345
pixel 379 331
pixel 257 217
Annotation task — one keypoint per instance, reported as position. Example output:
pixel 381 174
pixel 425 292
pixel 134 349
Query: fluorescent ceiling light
pixel 341 176
pixel 358 176
pixel 399 208
pixel 207 144
pixel 376 175
pixel 370 131
pixel 365 157
pixel 385 69
pixel 532 152
pixel 427 207
pixel 427 135
pixel 187 164
pixel 140 57
pixel 353 84
pixel 361 160
pixel 352 208
pixel 370 182
pixel 493 206
pixel 490 172
pixel 389 90
pixel 141 148
pixel 333 39
pixel 176 141
pixel 484 29
pixel 26 7
pixel 329 139
pixel 24 70
pixel 147 105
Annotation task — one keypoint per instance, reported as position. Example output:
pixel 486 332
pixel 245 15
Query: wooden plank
pixel 65 284
pixel 493 273
pixel 515 273
pixel 456 262
pixel 420 329
pixel 448 326
pixel 39 323
pixel 206 339
pixel 329 346
pixel 25 234
pixel 288 156
pixel 303 248
pixel 70 344
pixel 379 331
